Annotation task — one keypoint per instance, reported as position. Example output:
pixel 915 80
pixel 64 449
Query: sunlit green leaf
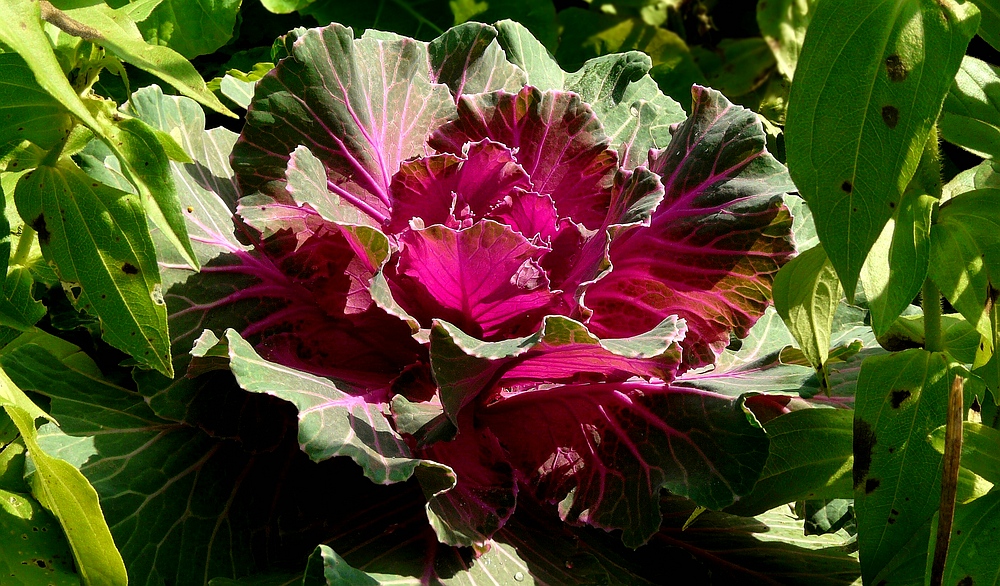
pixel 28 112
pixel 868 86
pixel 970 117
pixel 806 294
pixel 190 28
pixel 99 239
pixel 980 449
pixel 783 25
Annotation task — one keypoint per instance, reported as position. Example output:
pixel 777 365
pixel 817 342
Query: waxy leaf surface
pixel 713 244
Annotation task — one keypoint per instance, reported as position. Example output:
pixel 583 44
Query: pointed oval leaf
pixel 970 116
pixel 806 294
pixel 857 122
pixel 99 240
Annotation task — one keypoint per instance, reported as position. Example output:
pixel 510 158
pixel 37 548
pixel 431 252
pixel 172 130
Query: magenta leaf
pixel 485 279
pixel 559 141
pixel 713 244
pixel 561 351
pixel 604 450
pixel 361 106
pixel 468 512
pixel 454 190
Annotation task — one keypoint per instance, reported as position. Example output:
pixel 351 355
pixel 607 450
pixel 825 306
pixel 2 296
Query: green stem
pixel 24 243
pixel 932 317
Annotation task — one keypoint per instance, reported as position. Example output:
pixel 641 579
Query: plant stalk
pixel 949 480
pixel 931 303
pixel 23 245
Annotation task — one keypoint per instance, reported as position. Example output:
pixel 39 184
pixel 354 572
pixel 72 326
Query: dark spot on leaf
pixel 895 68
pixel 20 129
pixel 190 210
pixel 894 513
pixel 897 397
pixel 133 333
pixel 93 185
pixel 890 520
pixel 40 563
pixel 129 269
pixel 892 205
pixel 103 296
pixel 890 115
pixel 966 581
pixel 871 484
pixel 864 443
pixel 846 186
pixel 976 405
pixel 854 209
pixel 958 532
pixel 891 450
pixel 39 226
pixel 35 529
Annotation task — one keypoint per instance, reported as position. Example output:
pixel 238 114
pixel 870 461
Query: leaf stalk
pixel 931 302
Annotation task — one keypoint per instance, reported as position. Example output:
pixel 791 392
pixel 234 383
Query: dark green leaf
pixel 419 19
pixel 538 16
pixel 974 549
pixel 736 66
pixel 970 117
pixel 326 568
pixel 35 550
pixel 809 457
pixel 828 516
pixel 868 86
pixel 98 238
pixel 901 398
pixel 989 28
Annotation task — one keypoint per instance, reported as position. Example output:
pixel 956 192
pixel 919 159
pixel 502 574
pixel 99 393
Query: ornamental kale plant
pixel 493 271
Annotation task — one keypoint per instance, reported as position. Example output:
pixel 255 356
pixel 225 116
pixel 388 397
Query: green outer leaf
pixel 736 66
pixel 806 294
pixel 902 397
pixel 852 150
pixel 970 116
pixel 980 449
pixel 332 422
pixel 989 28
pixel 983 175
pixel 974 548
pixel 538 16
pixel 191 28
pixel 897 264
pixel 326 567
pixel 62 489
pixel 28 112
pixel 468 59
pixel 99 240
pixel 810 457
pixel 35 550
pixel 783 25
pixel 965 254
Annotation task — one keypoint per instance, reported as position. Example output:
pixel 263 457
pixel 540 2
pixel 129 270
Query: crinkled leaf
pixel 561 351
pixel 485 279
pixel 191 28
pixel 468 508
pixel 468 59
pixel 334 420
pixel 98 238
pixel 603 451
pixel 589 34
pixel 715 241
pixel 454 190
pixel 559 140
pixel 335 96
pixel 806 295
pixel 783 25
pixel 864 99
pixel 970 116
pixel 28 112
pixel 61 489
